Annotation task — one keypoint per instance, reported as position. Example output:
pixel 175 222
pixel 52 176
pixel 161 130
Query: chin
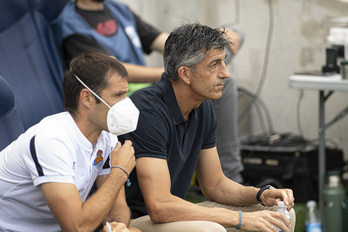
pixel 219 94
pixel 215 97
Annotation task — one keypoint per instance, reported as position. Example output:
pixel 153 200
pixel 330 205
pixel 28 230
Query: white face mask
pixel 122 117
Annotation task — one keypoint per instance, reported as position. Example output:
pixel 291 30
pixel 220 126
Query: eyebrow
pixel 120 92
pixel 215 60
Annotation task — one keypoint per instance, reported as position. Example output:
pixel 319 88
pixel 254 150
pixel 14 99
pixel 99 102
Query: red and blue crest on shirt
pixel 98 160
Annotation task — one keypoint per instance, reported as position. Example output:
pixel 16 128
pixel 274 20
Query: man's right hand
pixel 123 156
pixel 266 221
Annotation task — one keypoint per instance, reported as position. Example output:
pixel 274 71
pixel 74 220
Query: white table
pixel 330 83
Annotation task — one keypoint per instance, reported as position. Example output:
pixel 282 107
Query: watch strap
pixel 258 195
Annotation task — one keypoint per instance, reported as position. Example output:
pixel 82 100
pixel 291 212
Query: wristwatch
pixel 258 195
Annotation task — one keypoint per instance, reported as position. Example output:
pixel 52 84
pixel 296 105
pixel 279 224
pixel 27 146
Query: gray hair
pixel 187 46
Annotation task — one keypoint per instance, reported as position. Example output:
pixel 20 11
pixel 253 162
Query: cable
pixel 268 49
pixel 260 117
pixel 298 109
pixel 266 60
pixel 261 104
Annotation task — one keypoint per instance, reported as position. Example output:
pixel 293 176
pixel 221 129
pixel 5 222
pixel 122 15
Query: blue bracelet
pixel 240 220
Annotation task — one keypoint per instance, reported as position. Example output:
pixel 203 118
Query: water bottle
pixel 333 195
pixel 283 209
pixel 313 223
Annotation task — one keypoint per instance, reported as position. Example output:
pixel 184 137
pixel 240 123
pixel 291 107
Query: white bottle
pixel 312 220
pixel 282 208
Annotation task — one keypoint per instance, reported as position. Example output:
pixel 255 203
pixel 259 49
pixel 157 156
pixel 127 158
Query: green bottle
pixel 333 195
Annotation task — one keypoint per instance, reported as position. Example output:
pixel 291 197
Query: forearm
pixel 143 74
pixel 231 193
pixel 73 214
pixel 159 42
pixel 120 212
pixel 97 207
pixel 176 209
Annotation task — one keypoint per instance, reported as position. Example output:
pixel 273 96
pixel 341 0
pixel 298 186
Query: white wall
pixel 298 43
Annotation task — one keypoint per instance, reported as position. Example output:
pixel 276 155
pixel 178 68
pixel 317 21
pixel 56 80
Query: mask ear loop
pixel 90 89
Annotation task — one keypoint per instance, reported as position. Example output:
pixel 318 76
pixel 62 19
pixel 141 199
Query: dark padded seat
pixel 28 59
pixel 10 124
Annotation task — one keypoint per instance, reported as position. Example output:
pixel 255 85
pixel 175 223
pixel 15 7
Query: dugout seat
pixel 10 124
pixel 29 60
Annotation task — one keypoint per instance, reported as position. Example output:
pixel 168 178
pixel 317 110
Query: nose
pixel 224 73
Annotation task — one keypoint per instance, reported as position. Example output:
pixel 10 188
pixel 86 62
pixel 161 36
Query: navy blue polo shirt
pixel 161 133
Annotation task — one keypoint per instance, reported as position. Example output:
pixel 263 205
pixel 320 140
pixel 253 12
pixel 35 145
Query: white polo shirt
pixel 54 150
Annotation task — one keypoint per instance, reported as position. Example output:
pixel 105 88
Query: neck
pixel 185 98
pixel 86 128
pixel 90 5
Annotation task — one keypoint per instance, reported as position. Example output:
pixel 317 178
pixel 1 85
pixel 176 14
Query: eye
pixel 120 95
pixel 213 65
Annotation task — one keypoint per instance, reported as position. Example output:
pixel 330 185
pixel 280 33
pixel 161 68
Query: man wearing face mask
pixel 47 173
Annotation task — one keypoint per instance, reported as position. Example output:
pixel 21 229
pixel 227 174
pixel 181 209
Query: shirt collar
pixel 171 102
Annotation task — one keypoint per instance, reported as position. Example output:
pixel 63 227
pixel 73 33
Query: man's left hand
pixel 271 197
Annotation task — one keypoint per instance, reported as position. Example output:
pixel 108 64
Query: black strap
pixel 258 195
pixel 34 156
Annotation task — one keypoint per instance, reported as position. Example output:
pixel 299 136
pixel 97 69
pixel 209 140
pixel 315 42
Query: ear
pixel 184 74
pixel 86 98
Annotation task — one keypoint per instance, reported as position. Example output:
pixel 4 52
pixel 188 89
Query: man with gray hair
pixel 176 135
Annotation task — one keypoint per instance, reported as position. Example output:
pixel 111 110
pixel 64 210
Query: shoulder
pixel 148 98
pixel 114 5
pixel 58 128
pixel 67 10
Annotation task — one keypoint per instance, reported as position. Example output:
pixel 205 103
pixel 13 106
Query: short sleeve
pixel 50 160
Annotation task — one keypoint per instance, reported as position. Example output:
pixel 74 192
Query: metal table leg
pixel 321 171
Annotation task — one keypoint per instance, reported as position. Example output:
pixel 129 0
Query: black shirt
pixel 164 133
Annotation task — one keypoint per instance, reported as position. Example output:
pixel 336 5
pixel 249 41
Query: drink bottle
pixel 333 197
pixel 283 209
pixel 313 223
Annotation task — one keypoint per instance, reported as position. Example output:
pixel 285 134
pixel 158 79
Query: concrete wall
pixel 297 43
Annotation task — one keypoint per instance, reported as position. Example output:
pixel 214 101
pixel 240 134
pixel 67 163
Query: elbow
pixel 158 213
pixel 80 227
pixel 209 194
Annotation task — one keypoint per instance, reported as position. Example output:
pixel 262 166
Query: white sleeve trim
pixel 55 179
pixel 105 171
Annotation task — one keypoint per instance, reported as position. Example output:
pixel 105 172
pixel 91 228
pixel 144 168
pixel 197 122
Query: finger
pixel 105 229
pixel 118 146
pixel 120 228
pixel 284 197
pixel 270 227
pixel 128 143
pixel 289 197
pixel 281 221
pixel 273 228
